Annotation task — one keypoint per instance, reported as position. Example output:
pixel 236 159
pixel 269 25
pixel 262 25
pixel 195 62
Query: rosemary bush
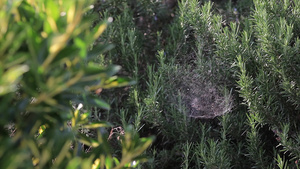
pixel 217 82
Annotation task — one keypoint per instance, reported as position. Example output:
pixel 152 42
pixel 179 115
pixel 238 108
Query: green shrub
pixel 260 55
pixel 240 57
pixel 271 90
pixel 47 75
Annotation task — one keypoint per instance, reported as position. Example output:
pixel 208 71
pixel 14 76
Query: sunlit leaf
pixel 52 9
pixel 108 162
pixel 99 30
pixel 82 46
pixel 117 162
pixel 88 141
pixel 11 77
pixel 96 164
pixel 117 82
pixel 97 125
pixel 41 130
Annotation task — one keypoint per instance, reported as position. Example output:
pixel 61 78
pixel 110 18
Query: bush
pixel 217 83
pixel 47 75
pixel 271 92
pixel 257 58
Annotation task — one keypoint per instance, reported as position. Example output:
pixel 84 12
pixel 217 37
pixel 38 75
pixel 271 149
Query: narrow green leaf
pixel 82 46
pixel 117 82
pixel 102 104
pixel 74 163
pixel 98 50
pixel 97 125
pixel 52 9
pixel 87 140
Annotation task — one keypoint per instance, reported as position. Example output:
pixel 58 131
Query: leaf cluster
pixel 47 74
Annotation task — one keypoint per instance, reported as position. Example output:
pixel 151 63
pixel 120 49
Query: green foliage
pixel 211 154
pixel 186 60
pixel 47 69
